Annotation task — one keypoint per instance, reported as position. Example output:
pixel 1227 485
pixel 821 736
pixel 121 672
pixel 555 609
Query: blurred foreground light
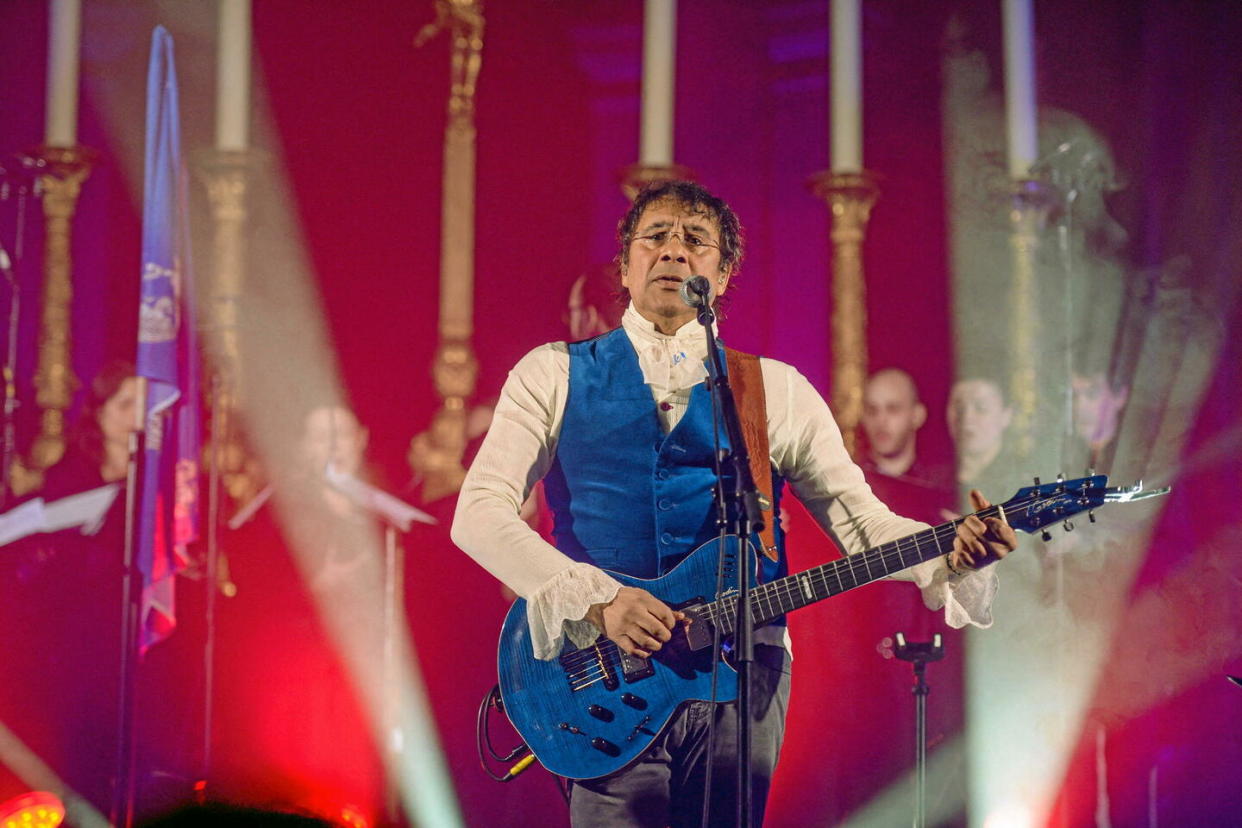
pixel 38 809
pixel 353 817
pixel 1010 816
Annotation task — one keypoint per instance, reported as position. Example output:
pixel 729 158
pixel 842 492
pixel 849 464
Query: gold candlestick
pixel 67 168
pixel 436 454
pixel 1028 214
pixel 850 197
pixel 226 174
pixel 636 176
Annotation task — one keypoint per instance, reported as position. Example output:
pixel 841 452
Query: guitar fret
pixel 836 570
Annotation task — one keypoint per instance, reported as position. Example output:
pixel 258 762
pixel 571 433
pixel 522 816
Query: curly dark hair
pixel 86 433
pixel 694 198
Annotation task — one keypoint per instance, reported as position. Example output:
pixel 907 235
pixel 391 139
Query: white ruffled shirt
pixel 804 445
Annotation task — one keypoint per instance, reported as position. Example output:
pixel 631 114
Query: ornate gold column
pixel 226 175
pixel 1028 215
pixel 850 197
pixel 67 168
pixel 636 176
pixel 436 454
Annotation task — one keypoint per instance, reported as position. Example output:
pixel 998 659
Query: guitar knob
pixel 601 713
pixel 634 701
pixel 605 746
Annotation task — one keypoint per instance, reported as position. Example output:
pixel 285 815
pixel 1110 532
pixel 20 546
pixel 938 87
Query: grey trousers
pixel 665 786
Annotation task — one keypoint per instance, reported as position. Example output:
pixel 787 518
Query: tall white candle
pixel 1020 114
pixel 233 76
pixel 659 62
pixel 846 49
pixel 64 35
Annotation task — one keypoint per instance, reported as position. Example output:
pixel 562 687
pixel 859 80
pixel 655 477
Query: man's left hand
pixel 980 541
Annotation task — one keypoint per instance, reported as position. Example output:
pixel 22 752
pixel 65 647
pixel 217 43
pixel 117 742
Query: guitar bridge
pixel 591 665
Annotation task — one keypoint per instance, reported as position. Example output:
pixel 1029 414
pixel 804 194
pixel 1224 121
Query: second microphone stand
pixel 919 654
pixel 746 517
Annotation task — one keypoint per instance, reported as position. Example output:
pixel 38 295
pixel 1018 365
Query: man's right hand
pixel 636 621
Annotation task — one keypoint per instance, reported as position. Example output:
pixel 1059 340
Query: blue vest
pixel 624 495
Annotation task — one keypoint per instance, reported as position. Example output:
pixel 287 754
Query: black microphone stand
pixel 748 509
pixel 123 783
pixel 18 175
pixel 8 437
pixel 919 653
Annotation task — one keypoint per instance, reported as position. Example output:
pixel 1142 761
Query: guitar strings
pixel 589 662
pixel 888 554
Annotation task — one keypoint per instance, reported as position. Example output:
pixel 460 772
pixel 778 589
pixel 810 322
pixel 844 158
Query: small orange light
pixel 37 809
pixel 353 817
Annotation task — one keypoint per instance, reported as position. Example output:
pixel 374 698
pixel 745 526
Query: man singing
pixel 619 427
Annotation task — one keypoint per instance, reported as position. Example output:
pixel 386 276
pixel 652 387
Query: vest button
pixel 666 406
pixel 667 537
pixel 665 504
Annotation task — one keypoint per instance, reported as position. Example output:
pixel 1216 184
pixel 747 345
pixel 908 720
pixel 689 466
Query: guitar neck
pixel 775 598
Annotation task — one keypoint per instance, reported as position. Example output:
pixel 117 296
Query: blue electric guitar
pixel 592 711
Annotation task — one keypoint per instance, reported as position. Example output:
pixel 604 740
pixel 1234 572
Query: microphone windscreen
pixel 695 291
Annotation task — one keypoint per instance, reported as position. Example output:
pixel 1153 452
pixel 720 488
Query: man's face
pixel 333 436
pixel 891 413
pixel 1097 407
pixel 670 245
pixel 584 320
pixel 977 417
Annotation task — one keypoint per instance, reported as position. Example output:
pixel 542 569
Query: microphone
pixel 696 291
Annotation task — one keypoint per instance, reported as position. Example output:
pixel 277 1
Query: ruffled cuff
pixel 967 599
pixel 559 607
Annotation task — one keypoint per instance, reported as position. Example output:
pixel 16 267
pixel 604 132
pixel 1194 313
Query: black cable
pixel 483 739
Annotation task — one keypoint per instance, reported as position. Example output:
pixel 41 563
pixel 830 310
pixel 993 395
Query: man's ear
pixel 920 415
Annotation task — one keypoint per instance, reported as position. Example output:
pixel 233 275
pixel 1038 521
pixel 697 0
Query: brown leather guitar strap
pixel 746 379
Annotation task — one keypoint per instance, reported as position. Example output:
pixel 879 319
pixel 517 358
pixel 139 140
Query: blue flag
pixel 167 356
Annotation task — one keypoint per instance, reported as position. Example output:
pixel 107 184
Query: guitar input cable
pixel 483 742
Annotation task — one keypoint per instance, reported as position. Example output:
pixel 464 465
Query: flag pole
pixel 131 591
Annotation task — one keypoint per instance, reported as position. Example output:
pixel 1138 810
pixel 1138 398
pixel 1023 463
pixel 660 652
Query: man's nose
pixel 674 249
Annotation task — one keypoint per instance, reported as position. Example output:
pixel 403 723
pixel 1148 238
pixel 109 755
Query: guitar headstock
pixel 1038 506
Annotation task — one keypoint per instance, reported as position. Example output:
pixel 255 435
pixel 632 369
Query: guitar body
pixel 585 714
pixel 593 711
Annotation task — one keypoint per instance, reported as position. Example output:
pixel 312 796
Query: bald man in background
pixel 892 416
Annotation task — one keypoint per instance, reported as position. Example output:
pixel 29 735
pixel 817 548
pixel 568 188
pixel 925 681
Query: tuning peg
pixel 1045 536
pixel 1037 481
pixel 1061 477
pixel 1069 525
pixel 1091 515
pixel 1090 471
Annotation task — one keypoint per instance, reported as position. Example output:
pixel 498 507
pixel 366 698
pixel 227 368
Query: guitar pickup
pixel 634 668
pixel 699 634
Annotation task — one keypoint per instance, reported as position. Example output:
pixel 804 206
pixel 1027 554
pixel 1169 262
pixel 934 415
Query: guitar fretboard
pixel 792 592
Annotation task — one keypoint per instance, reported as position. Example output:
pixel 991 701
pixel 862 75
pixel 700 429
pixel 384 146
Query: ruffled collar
pixel 669 363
